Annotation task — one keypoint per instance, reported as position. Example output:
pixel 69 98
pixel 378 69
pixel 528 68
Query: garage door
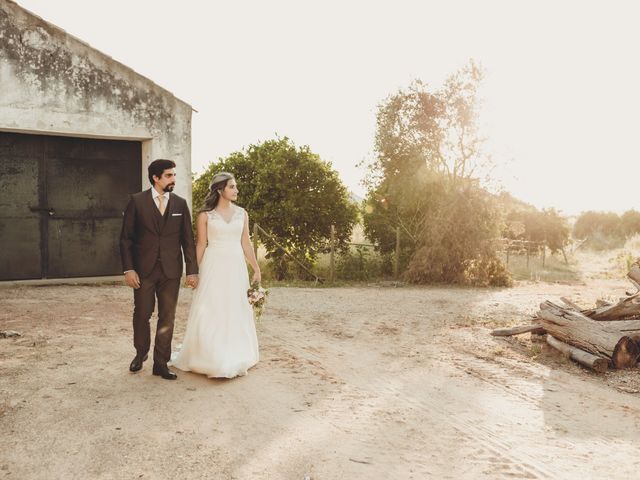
pixel 61 203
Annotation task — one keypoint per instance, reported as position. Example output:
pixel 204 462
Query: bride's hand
pixel 257 278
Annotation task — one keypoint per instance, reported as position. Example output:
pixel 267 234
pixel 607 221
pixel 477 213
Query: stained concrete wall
pixel 53 83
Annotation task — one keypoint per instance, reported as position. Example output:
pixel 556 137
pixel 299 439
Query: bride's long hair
pixel 218 183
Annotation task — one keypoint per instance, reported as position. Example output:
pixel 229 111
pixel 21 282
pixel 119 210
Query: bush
pixel 359 264
pixel 629 254
pixel 487 272
pixel 459 243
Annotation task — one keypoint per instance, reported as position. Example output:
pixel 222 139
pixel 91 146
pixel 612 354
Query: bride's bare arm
pixel 201 235
pixel 247 247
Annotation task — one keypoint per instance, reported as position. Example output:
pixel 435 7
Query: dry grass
pixel 553 270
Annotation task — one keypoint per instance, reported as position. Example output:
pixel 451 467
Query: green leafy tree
pixel 429 157
pixel 290 192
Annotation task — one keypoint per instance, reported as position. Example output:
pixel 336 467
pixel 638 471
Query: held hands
pixel 132 279
pixel 192 281
pixel 257 277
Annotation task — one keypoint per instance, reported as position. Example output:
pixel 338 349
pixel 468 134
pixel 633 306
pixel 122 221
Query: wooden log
pixel 595 362
pixel 571 304
pixel 634 275
pixel 627 307
pixel 507 332
pixel 606 339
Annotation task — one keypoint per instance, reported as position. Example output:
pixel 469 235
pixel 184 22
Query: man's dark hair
pixel 157 167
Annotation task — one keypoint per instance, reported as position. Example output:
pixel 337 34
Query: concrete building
pixel 77 132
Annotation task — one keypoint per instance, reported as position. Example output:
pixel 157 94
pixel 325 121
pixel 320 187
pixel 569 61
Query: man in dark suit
pixel 156 231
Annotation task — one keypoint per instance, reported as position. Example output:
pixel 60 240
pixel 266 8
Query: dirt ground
pixel 353 383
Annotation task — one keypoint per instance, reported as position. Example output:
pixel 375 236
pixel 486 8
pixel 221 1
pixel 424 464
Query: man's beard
pixel 169 188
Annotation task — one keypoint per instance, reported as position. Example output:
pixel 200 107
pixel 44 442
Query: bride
pixel 220 339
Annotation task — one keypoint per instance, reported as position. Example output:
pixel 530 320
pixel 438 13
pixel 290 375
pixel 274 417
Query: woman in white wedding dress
pixel 220 339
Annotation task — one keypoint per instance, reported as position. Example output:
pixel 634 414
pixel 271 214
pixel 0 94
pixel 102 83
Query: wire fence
pixel 361 261
pixel 337 261
pixel 527 248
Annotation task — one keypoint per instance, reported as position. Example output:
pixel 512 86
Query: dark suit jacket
pixel 148 236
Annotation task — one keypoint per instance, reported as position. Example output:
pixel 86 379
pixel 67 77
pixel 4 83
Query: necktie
pixel 161 204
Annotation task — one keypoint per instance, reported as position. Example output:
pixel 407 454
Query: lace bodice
pixel 223 232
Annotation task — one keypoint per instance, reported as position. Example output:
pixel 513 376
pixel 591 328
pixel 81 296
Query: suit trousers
pixel 155 285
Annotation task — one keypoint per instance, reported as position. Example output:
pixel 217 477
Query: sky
pixel 560 98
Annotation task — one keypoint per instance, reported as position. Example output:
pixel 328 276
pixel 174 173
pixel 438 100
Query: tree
pixel 435 130
pixel 429 156
pixel 555 230
pixel 404 177
pixel 291 193
pixel 601 229
pixel 590 223
pixel 427 144
pixel 459 243
pixel 547 227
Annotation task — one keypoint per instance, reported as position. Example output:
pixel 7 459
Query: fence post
pixel 544 254
pixel 396 263
pixel 331 258
pixel 255 239
pixel 527 244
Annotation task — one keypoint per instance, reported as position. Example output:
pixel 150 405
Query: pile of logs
pixel 597 338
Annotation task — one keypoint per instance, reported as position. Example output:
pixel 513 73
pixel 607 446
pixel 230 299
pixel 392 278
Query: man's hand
pixel 132 279
pixel 192 281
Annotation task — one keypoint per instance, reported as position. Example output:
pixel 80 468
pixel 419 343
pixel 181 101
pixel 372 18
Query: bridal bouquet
pixel 257 298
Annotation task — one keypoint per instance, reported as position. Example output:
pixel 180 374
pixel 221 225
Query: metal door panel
pixel 20 241
pixel 88 186
pixel 84 247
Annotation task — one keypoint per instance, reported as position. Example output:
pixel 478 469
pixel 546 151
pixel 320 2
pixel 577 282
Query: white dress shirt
pixel 155 195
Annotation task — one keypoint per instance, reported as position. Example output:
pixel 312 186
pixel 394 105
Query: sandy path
pixel 372 383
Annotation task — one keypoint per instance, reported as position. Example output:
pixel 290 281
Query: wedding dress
pixel 220 339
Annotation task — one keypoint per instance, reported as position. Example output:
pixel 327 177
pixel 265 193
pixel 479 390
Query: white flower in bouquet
pixel 257 296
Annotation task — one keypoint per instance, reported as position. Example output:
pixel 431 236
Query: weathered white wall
pixel 53 83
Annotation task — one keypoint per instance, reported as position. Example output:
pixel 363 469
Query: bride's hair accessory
pixel 217 185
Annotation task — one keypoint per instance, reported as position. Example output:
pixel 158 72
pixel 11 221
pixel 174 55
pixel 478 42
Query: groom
pixel 156 230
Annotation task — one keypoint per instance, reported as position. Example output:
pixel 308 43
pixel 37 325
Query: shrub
pixel 459 244
pixel 359 264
